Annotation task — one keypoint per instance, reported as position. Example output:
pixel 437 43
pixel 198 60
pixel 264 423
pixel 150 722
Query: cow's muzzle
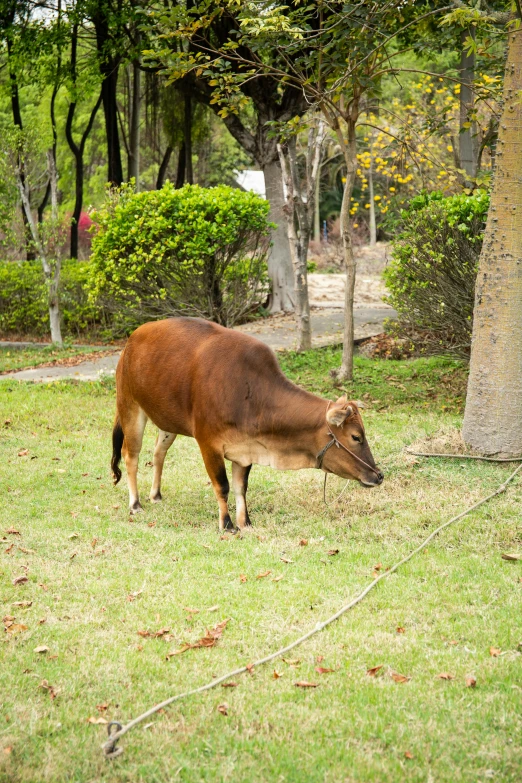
pixel 373 480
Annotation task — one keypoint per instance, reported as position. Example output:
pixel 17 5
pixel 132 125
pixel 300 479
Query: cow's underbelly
pixel 252 452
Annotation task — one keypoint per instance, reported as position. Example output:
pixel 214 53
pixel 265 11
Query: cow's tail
pixel 117 443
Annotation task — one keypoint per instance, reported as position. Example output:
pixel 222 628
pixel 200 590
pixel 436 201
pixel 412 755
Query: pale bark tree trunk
pixel 493 414
pixel 134 134
pixel 468 136
pixel 348 145
pixel 279 261
pixel 300 214
pixel 317 211
pixel 51 271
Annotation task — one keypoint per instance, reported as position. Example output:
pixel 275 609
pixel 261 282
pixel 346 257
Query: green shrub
pixel 193 251
pixel 432 274
pixel 23 300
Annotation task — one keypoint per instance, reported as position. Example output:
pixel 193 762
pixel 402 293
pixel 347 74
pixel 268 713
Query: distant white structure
pixel 252 180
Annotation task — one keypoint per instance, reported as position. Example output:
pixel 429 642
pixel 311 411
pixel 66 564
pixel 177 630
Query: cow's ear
pixel 339 412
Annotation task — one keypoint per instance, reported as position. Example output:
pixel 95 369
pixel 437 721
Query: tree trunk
pixel 468 136
pixel 51 273
pixel 317 209
pixel 349 145
pixel 279 262
pixel 180 174
pixel 298 229
pixel 134 134
pixel 493 414
pixel 189 176
pixel 162 173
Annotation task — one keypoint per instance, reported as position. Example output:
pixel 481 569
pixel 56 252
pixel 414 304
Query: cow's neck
pixel 288 432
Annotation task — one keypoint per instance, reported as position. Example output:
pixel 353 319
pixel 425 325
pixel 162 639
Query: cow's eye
pixel 357 439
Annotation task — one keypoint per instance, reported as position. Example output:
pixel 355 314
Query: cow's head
pixel 349 456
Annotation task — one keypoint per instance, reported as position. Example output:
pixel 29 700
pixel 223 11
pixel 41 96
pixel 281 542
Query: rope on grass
pixel 463 456
pixel 109 747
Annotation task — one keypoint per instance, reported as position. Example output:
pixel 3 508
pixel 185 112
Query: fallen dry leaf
pixel 23 604
pixel 323 670
pixel 408 755
pixel 20 580
pixel 53 693
pixel 192 611
pixel 250 668
pixel 102 707
pixel 26 551
pixel 133 596
pixel 512 556
pixel 400 629
pixel 9 548
pixel 41 649
pixel 291 661
pixel 494 652
pixel 209 640
pixel 8 750
pixel 377 567
pixel 375 574
pixel 154 634
pixel 303 542
pixel 262 576
pixel 243 577
pixel 396 677
pixel 229 684
pixel 16 628
pixel 97 721
pixel 213 608
pixel 453 642
pixel 13 532
pixel 471 682
pixel 304 684
pixel 332 552
pixel 23 452
pixel 446 676
pixel 285 560
pixel 276 675
pixel 374 670
pixel 223 709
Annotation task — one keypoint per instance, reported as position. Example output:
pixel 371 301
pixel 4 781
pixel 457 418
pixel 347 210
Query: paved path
pixel 278 332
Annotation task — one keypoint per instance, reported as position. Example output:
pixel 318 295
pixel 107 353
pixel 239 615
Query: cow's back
pixel 191 375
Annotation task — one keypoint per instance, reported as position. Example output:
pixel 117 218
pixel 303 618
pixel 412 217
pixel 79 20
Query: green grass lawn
pixel 96 578
pixel 12 359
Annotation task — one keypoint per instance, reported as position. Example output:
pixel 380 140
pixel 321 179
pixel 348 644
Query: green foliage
pixel 24 300
pixel 434 266
pixel 192 251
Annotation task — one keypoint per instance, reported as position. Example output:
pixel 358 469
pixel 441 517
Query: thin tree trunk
pixel 134 134
pixel 76 149
pixel 349 146
pixel 109 66
pixel 280 269
pixel 467 136
pixel 317 209
pixel 51 272
pixel 162 173
pixel 180 174
pixel 493 414
pixel 189 175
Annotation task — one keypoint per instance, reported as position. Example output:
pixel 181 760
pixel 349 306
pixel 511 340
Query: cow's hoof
pixel 157 498
pixel 136 508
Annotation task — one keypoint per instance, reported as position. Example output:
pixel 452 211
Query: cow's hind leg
pixel 133 424
pixel 215 465
pixel 163 443
pixel 240 486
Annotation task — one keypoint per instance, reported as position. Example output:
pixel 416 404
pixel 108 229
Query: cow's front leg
pixel 215 465
pixel 240 486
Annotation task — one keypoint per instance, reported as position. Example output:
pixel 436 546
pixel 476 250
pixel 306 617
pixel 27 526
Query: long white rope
pixel 109 747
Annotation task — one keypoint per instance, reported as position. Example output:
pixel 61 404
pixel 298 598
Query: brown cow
pixel 225 389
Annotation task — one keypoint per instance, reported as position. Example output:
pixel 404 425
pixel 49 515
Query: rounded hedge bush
pixel 431 277
pixel 192 251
